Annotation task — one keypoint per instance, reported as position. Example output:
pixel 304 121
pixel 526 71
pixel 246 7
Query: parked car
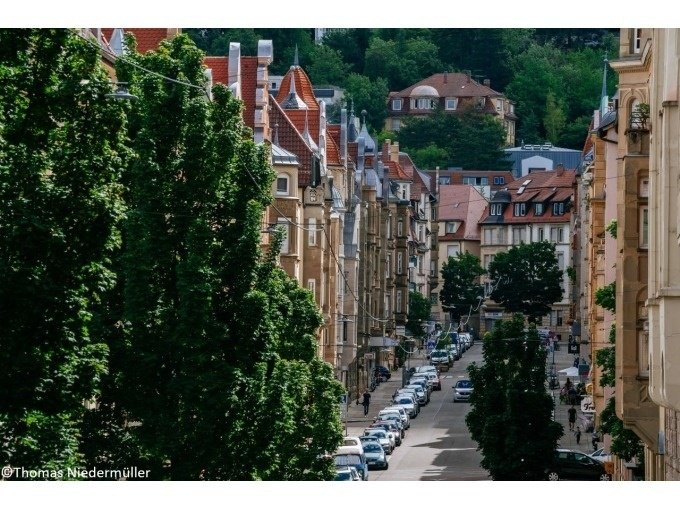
pixel 352 456
pixel 347 474
pixel 409 392
pixel 421 393
pixel 391 427
pixel 601 455
pixel 423 383
pixel 462 390
pixel 454 352
pixel 401 411
pixel 427 368
pixel 383 438
pixel 408 403
pixel 436 382
pixel 440 358
pixel 351 441
pixel 376 456
pixel 384 372
pixel 393 415
pixel 574 465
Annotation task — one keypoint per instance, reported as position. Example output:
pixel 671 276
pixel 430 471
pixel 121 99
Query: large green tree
pixel 511 411
pixel 526 279
pixel 461 291
pixel 61 156
pixel 419 309
pixel 366 94
pixel 217 394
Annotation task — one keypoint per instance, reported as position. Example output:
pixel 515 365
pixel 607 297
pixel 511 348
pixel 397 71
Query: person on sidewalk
pixel 577 434
pixel 366 401
pixel 572 417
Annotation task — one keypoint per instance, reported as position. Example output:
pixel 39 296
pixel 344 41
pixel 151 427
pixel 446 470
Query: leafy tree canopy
pixel 419 308
pixel 461 290
pixel 511 411
pixel 526 279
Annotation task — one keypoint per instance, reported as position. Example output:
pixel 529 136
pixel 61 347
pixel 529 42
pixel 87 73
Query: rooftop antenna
pixel 296 60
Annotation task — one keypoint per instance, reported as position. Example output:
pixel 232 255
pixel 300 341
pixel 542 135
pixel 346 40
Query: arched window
pixel 283 184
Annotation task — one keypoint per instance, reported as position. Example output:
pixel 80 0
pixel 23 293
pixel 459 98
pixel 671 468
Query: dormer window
pixel 521 209
pixel 452 227
pixel 496 209
pixel 538 208
pixel 396 104
pixel 558 208
pixel 451 103
pixel 498 180
pixel 422 103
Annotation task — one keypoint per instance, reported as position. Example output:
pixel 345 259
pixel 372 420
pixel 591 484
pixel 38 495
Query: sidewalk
pixel 565 360
pixel 381 397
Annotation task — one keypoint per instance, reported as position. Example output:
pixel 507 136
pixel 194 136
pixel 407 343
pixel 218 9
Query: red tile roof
pixel 248 87
pixel 451 85
pixel 303 88
pixel 291 139
pixel 332 152
pixel 462 203
pixel 220 68
pixel 147 38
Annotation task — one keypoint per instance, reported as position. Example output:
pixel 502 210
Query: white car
pixel 352 441
pixel 383 438
pixel 423 396
pixel 386 414
pixel 406 401
pixel 601 455
pixel 402 412
pixel 426 368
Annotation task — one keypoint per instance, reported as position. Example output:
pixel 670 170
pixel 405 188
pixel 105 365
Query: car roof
pixel 350 449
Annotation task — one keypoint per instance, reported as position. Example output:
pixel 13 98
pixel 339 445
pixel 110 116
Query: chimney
pixel 468 73
pixel 261 130
pixel 386 149
pixel 235 68
pixel 446 77
pixel 343 135
pixel 394 152
pixel 560 170
pixel 487 82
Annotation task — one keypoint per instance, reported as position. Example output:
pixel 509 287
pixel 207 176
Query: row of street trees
pixel 511 411
pixel 129 248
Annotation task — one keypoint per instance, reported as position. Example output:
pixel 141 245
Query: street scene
pixel 339 254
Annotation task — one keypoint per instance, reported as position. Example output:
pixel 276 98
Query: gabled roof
pixel 292 140
pixel 394 169
pixel 303 88
pixel 555 186
pixel 220 69
pixel 451 85
pixel 462 203
pixel 147 38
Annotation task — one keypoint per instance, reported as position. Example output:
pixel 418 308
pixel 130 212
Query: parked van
pixel 352 456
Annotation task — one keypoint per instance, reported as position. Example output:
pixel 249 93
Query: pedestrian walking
pixel 366 401
pixel 577 434
pixel 572 417
pixel 595 440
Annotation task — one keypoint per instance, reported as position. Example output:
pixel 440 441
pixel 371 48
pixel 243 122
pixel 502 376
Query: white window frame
pixel 399 297
pixel 499 105
pixel 558 208
pixel 285 244
pixel 388 265
pixel 498 180
pixel 311 286
pixel 539 208
pixel 520 209
pixel 637 40
pixel 400 263
pixel 450 100
pixel 643 191
pixel 395 124
pixel 643 353
pixel 643 233
pixel 400 228
pixel 311 237
pixel 496 209
pixel 285 192
pixel 452 248
pixel 541 234
pixel 433 268
pixel 397 104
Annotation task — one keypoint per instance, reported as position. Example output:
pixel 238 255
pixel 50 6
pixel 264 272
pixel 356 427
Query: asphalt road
pixel 438 446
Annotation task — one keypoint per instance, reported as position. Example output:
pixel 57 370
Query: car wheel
pixel 553 476
pixel 387 465
pixel 605 477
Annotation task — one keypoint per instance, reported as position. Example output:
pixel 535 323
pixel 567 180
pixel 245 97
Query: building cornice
pixel 634 63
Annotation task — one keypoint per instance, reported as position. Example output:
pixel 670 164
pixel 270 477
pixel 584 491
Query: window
pixel 498 180
pixel 386 302
pixel 488 235
pixel 282 184
pixel 553 235
pixel 644 227
pixel 433 268
pixel 399 301
pixel 396 104
pixel 518 235
pixel 644 188
pixel 451 227
pixel 499 105
pixel 560 261
pixel 388 265
pixel 422 103
pixel 388 230
pixel 475 181
pixel 488 259
pixel 538 208
pixel 434 298
pixel 312 232
pixel 451 103
pixel 445 179
pixel 556 318
pixel 541 234
pixel 400 262
pixel 643 353
pixel 501 235
pixel 637 40
pixel 283 224
pixel 496 209
pixel 400 228
pixel 420 233
pixel 521 209
pixel 452 250
pixel 558 208
pixel 311 285
pixel 396 124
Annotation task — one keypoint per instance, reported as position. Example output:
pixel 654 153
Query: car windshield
pixel 376 433
pixel 404 401
pixel 347 459
pixel 464 384
pixel 372 447
pixel 343 476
